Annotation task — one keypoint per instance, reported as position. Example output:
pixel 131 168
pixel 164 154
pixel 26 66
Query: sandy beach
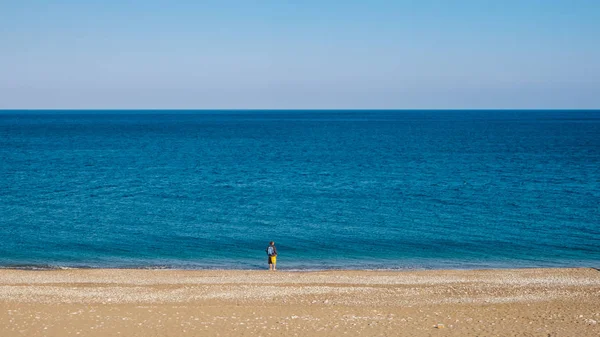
pixel 101 302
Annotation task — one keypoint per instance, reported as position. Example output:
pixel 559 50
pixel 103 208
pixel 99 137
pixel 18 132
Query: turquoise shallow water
pixel 334 189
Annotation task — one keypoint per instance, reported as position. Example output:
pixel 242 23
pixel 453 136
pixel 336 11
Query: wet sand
pixel 104 302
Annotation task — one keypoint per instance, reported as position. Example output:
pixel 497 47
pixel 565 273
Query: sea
pixel 335 189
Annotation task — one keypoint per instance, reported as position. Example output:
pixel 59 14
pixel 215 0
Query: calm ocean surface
pixel 333 189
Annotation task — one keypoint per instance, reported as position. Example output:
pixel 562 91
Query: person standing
pixel 272 254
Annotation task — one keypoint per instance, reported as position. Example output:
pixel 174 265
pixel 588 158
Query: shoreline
pixel 284 269
pixel 167 302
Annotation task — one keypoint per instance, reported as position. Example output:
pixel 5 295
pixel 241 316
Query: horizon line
pixel 287 109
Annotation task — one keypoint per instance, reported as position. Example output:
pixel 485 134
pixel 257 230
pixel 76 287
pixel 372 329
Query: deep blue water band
pixel 333 189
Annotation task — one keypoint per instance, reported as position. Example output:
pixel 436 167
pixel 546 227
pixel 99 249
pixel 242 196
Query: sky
pixel 326 54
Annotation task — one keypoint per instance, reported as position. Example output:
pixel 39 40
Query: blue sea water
pixel 333 189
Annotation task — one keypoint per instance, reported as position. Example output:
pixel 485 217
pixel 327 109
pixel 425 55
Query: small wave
pixel 41 267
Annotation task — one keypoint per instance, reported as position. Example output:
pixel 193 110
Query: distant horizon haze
pixel 254 110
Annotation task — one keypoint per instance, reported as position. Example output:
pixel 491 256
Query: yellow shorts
pixel 272 259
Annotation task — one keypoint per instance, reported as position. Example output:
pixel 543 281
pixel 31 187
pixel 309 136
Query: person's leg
pixel 274 260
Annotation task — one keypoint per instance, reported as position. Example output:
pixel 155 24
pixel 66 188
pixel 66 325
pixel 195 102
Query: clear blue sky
pixel 311 54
